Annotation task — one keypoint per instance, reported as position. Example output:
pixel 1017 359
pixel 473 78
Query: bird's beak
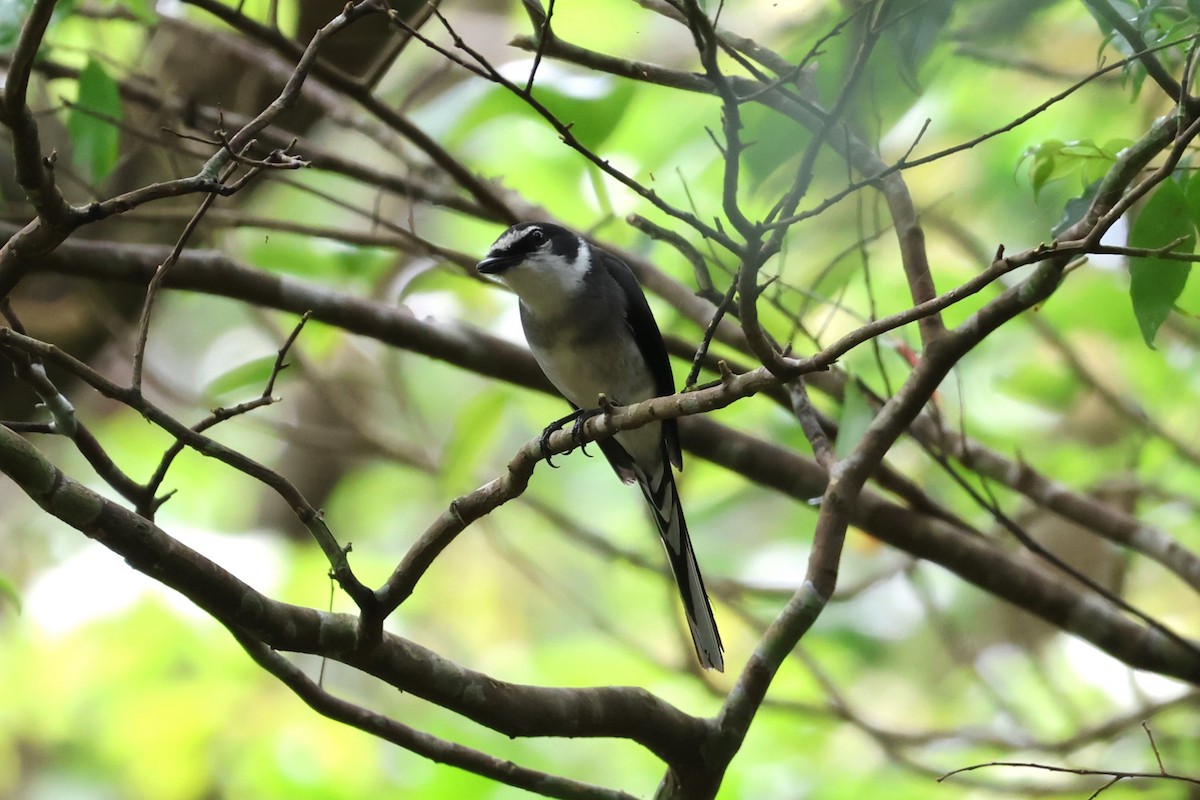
pixel 494 265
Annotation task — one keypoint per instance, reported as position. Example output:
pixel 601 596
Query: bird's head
pixel 542 262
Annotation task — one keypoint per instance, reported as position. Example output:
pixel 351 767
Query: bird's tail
pixel 663 499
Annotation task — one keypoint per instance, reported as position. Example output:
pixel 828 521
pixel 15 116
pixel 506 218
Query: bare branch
pixel 57 220
pixel 1114 774
pixel 419 742
pixel 305 513
pixel 1104 10
pixel 35 170
pixel 511 709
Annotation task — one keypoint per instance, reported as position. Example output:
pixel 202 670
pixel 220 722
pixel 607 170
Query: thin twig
pixel 1108 773
pixel 1153 746
pixel 709 332
pixel 304 511
pixel 544 35
pixel 484 68
pixel 160 275
pixel 148 509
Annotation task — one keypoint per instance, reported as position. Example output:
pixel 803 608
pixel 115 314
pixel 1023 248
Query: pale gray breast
pixel 585 352
pixel 615 367
pixel 586 347
pixel 583 360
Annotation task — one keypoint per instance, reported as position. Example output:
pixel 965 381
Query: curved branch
pixel 214 273
pixel 485 194
pixel 308 516
pixel 512 709
pixel 757 460
pixel 976 560
pixel 1154 67
pixel 57 220
pixel 419 742
pixel 35 173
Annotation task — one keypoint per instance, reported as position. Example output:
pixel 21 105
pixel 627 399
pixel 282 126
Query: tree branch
pixel 423 744
pixel 511 709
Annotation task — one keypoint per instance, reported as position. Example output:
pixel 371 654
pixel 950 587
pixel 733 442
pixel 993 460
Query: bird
pixel 591 330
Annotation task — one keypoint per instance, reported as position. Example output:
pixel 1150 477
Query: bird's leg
pixel 578 418
pixel 581 419
pixel 603 406
pixel 574 416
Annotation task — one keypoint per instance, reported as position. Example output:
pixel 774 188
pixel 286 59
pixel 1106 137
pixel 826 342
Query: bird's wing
pixel 649 339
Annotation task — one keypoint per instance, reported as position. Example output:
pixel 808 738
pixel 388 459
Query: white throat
pixel 546 283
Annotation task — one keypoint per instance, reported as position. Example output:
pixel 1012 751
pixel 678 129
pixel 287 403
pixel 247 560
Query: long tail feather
pixel 663 499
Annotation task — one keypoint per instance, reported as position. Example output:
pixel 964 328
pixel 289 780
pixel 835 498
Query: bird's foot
pixel 581 419
pixel 575 417
pixel 578 418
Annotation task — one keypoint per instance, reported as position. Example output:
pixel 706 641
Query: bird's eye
pixel 537 236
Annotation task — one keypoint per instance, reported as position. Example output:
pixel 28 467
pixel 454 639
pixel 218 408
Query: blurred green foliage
pixel 111 689
pixel 94 121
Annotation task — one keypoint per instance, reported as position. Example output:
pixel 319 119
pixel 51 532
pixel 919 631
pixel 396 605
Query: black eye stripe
pixel 528 240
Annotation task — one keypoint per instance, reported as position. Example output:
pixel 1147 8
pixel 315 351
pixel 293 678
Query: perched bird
pixel 591 330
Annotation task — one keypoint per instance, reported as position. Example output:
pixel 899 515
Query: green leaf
pixel 1096 160
pixel 1192 196
pixel 1054 159
pixel 1156 283
pixel 142 9
pixel 9 594
pixel 856 418
pixel 1042 170
pixel 1126 10
pixel 474 434
pixel 1044 164
pixel 95 136
pixel 1075 208
pixel 593 105
pixel 249 376
pixel 915 27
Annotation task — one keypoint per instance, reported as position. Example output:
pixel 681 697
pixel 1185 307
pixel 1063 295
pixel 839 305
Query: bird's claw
pixel 578 419
pixel 581 419
pixel 544 444
pixel 548 431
